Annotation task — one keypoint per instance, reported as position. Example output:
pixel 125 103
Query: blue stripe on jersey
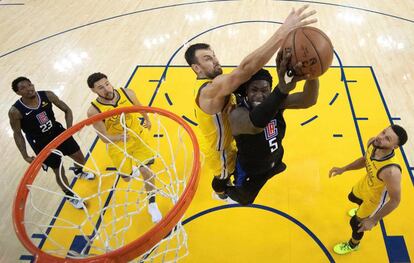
pixel 224 165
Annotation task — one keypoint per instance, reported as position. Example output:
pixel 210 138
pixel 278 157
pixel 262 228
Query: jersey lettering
pixel 271 134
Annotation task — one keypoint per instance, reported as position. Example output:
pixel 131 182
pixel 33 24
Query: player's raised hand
pixel 282 63
pixel 336 171
pixel 297 18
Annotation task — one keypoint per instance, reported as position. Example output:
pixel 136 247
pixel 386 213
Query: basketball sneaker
pixel 76 202
pixel 79 173
pixel 352 212
pixel 86 175
pixel 154 212
pixel 224 198
pixel 344 248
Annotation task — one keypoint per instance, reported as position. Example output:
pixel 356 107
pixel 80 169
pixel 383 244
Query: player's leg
pixel 71 148
pixel 149 180
pixel 246 193
pixel 53 161
pixel 222 165
pixel 145 159
pixel 354 199
pixel 122 163
pixel 364 211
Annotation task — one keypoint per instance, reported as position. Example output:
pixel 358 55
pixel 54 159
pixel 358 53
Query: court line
pixel 311 119
pixel 269 209
pixel 350 7
pixel 362 118
pixel 189 120
pixel 11 4
pixel 343 79
pixel 392 122
pixel 167 97
pixel 338 135
pixel 333 99
pixel 108 19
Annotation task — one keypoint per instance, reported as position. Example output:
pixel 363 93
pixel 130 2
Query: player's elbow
pixel 309 102
pixel 395 201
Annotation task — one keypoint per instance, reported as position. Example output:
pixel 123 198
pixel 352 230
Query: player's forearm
pixel 355 165
pixel 21 144
pixel 310 93
pixel 305 99
pixel 145 116
pixel 386 209
pixel 69 118
pixel 258 58
pixel 262 114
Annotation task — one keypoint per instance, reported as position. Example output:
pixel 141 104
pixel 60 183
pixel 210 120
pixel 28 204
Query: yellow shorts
pixel 221 163
pixel 369 204
pixel 141 154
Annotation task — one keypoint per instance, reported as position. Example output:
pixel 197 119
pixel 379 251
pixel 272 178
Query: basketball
pixel 312 47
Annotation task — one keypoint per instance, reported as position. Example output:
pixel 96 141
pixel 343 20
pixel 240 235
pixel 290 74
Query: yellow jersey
pixel 371 187
pixel 113 124
pixel 216 140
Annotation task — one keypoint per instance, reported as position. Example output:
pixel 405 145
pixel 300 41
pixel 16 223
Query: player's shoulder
pixel 390 172
pixel 48 94
pixel 92 110
pixel 14 112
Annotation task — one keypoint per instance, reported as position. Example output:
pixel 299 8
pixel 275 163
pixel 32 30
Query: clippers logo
pixel 271 130
pixel 42 117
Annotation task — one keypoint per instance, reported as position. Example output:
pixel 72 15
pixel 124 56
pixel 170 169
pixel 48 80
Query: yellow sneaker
pixel 344 248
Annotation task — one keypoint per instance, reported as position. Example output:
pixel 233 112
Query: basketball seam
pixel 316 51
pixel 322 33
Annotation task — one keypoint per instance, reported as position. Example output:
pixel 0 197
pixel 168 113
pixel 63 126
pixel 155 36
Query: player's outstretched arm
pixel 213 97
pixel 15 117
pixel 62 106
pixel 305 99
pixel 355 165
pixel 101 129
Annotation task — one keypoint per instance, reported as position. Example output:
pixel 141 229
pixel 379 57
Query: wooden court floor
pixel 301 213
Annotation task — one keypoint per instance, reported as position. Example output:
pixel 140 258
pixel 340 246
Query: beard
pixel 378 146
pixel 216 72
pixel 108 96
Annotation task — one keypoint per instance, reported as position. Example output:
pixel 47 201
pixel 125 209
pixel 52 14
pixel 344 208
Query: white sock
pixel 154 212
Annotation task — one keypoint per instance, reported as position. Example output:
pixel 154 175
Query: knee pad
pixel 219 185
pixel 354 222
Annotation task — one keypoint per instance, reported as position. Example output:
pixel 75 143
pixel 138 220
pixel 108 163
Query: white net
pixel 116 207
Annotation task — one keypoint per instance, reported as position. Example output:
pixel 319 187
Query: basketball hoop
pixel 179 170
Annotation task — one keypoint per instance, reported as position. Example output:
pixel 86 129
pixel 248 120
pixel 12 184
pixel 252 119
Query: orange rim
pixel 136 247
